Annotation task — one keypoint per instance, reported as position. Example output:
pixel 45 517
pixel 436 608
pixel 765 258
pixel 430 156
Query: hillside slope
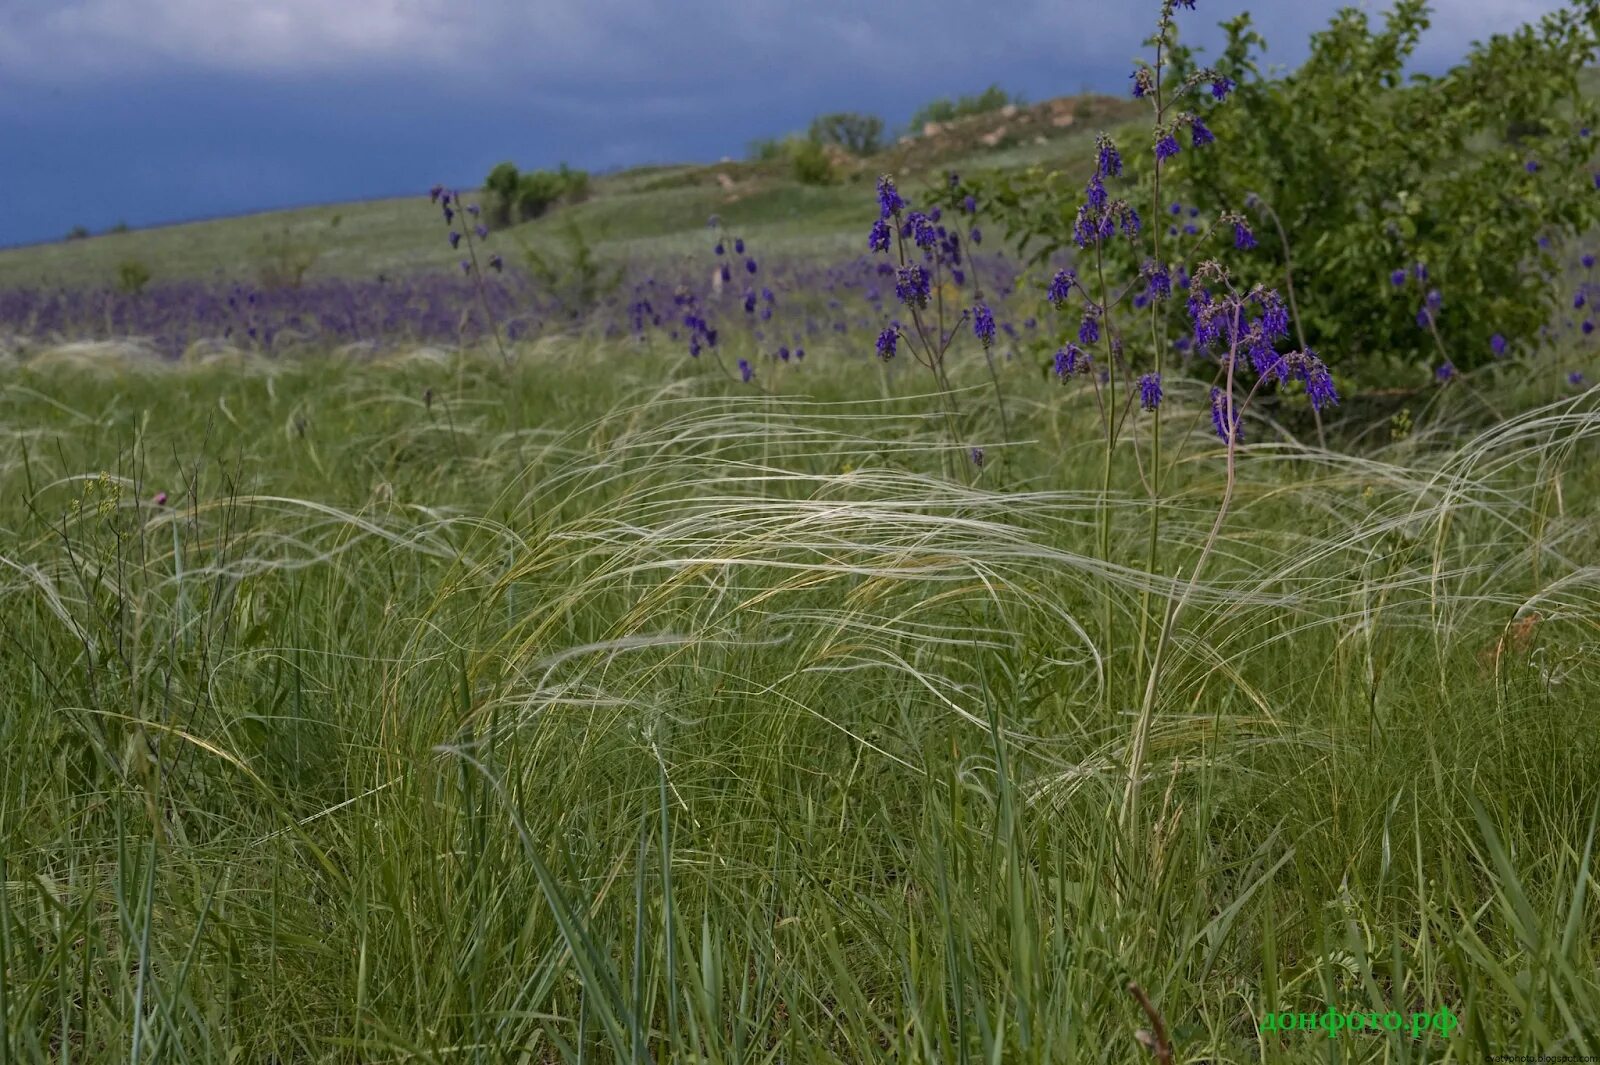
pixel 654 210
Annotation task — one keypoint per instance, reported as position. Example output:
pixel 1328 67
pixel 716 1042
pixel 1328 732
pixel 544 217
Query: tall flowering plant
pixel 1116 304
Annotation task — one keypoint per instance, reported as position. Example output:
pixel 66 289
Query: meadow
pixel 682 676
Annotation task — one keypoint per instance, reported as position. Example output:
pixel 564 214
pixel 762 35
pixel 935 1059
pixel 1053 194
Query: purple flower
pixel 1497 344
pixel 878 239
pixel 1575 379
pixel 1588 326
pixel 1166 147
pixel 1219 417
pixel 482 231
pixel 1397 278
pixel 1420 271
pixel 889 201
pixel 1089 329
pixel 976 236
pixel 970 204
pixel 466 267
pixel 1061 287
pixel 1199 135
pixel 1444 371
pixel 886 343
pixel 1108 161
pixel 455 239
pixel 1070 360
pixel 496 262
pixel 750 266
pixel 1588 262
pixel 912 285
pixel 719 249
pixel 1150 391
pixel 1319 386
pixel 1159 281
pixel 1242 237
pixel 1221 87
pixel 977 457
pixel 738 245
pixel 983 324
pixel 1531 166
pixel 1095 192
pixel 1143 83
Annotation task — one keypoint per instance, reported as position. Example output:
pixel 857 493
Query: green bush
pixel 945 109
pixel 1371 173
pixel 856 133
pixel 286 256
pixel 132 276
pixel 78 233
pixel 515 196
pixel 767 149
pixel 810 163
pixel 577 278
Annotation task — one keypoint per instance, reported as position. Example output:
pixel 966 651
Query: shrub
pixel 856 133
pixel 501 185
pixel 132 276
pixel 810 162
pixel 285 257
pixel 767 149
pixel 520 197
pixel 1412 231
pixel 945 109
pixel 78 233
pixel 577 279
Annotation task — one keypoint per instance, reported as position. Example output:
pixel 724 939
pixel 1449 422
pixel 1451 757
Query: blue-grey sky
pixel 160 110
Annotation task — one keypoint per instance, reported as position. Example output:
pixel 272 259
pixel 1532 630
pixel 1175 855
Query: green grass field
pixel 599 709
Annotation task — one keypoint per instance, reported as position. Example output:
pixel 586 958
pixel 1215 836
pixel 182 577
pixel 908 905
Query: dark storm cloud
pixel 154 110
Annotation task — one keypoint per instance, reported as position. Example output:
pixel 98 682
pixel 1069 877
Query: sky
pixel 152 111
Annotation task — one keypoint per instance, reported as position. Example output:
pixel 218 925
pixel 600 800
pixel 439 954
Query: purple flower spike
pixel 1150 391
pixel 886 343
pixel 983 324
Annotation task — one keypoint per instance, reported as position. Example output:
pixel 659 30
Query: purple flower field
pixel 777 312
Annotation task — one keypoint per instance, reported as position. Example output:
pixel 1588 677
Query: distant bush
pixel 945 109
pixel 78 233
pixel 577 279
pixel 856 133
pixel 286 257
pixel 132 276
pixel 120 227
pixel 767 149
pixel 515 196
pixel 810 163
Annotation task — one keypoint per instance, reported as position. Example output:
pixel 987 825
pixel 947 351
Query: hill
pixel 648 210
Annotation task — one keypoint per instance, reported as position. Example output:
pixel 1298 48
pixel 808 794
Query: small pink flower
pixel 160 499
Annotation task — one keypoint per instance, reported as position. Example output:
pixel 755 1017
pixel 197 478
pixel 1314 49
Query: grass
pixel 601 709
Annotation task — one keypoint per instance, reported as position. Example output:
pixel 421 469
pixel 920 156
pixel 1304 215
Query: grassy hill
pixel 657 210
